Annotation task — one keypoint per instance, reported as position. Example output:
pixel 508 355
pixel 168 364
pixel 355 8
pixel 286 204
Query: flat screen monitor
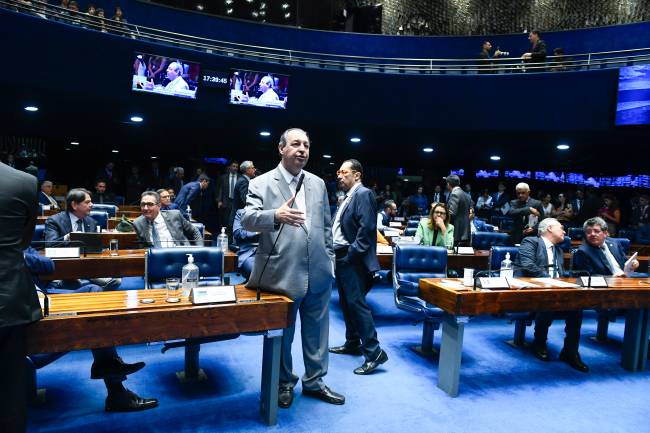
pixel 633 100
pixel 163 75
pixel 259 89
pixel 551 176
pixel 460 172
pixel 516 174
pixel 487 174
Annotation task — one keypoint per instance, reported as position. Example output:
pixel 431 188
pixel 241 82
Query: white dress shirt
pixel 550 254
pixel 300 198
pixel 337 233
pixel 613 264
pixel 166 239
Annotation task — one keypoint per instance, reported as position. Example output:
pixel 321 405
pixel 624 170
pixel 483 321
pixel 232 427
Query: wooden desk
pixel 90 320
pixel 458 304
pixel 129 263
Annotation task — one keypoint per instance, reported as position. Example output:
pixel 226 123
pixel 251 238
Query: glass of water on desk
pixel 173 290
pixel 113 247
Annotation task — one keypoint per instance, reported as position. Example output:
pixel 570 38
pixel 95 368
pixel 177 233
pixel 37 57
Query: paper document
pixel 554 283
pixel 384 249
pixel 516 283
pixel 628 265
pixel 466 250
pixel 395 224
pixel 454 284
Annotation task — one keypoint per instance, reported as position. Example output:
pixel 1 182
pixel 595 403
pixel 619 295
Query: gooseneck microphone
pixel 259 280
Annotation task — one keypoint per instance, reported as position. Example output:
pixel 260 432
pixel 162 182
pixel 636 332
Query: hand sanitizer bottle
pixel 189 276
pixel 506 267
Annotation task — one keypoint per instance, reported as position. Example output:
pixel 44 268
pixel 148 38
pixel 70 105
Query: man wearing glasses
pixel 355 244
pixel 163 229
pixel 166 200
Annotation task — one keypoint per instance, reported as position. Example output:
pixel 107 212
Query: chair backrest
pixel 164 263
pixel 39 235
pixel 625 243
pixel 498 254
pixel 412 262
pixel 576 233
pixel 101 217
pixel 413 224
pixel 628 234
pixel 566 244
pixel 486 240
pixel 200 227
pixel 502 221
pixel 410 231
pixel 111 209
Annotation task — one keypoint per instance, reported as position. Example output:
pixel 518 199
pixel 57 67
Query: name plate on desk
pixel 395 224
pixel 466 250
pixel 494 283
pixel 62 253
pixel 212 295
pixel 595 282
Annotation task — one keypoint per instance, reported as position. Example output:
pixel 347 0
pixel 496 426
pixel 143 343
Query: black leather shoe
pixel 346 349
pixel 325 394
pixel 285 397
pixel 129 401
pixel 573 359
pixel 540 351
pixel 370 366
pixel 115 367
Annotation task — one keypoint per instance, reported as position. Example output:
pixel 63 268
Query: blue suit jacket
pixel 532 260
pixel 186 195
pixel 59 225
pixel 247 243
pixel 359 228
pixel 38 265
pixel 592 259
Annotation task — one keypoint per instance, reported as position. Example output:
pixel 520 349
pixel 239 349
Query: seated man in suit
pixel 384 217
pixel 45 195
pixel 166 200
pixel 542 257
pixel 107 365
pixel 599 254
pixel 75 219
pixel 163 229
pixel 190 191
pixel 247 243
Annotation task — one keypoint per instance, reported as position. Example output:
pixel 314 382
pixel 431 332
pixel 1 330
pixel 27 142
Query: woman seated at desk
pixel 436 230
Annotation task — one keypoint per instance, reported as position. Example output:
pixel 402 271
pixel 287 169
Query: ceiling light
pixel 327 156
pixel 136 119
pixel 563 146
pixel 265 133
pixel 74 143
pixel 427 149
pixel 115 151
pixel 31 108
pixel 495 158
pixel 355 140
pixel 154 157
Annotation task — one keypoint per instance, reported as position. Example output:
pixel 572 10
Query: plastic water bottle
pixel 189 276
pixel 222 240
pixel 189 213
pixel 506 267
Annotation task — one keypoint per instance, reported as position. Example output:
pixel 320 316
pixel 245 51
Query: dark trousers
pixel 13 397
pixel 353 283
pixel 573 321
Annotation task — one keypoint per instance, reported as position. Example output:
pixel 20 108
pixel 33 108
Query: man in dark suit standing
pixel 458 206
pixel 19 304
pixel 525 213
pixel 537 53
pixel 542 257
pixel 247 169
pixel 195 195
pixel 355 244
pixel 225 193
pixel 599 254
pixel 438 196
pixel 500 199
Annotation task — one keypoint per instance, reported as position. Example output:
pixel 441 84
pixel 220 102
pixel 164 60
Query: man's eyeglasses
pixel 344 172
pixel 148 204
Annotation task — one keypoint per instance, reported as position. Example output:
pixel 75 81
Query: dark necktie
pixel 80 226
pixel 232 186
pixel 154 236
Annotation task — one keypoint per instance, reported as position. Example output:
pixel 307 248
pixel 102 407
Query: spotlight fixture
pixel 495 158
pixel 265 133
pixel 136 119
pixel 563 147
pixel 355 140
pixel 427 149
pixel 31 108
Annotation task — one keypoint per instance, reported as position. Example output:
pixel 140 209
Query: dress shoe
pixel 346 349
pixel 540 351
pixel 370 366
pixel 325 394
pixel 114 367
pixel 129 401
pixel 573 359
pixel 285 397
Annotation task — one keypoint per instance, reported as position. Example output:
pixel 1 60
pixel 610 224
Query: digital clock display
pixel 216 79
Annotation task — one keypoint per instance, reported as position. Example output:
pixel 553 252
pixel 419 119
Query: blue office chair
pixel 101 217
pixel 162 263
pixel 625 243
pixel 566 244
pixel 502 221
pixel 38 236
pixel 201 228
pixel 111 209
pixel 413 224
pixel 628 234
pixel 410 263
pixel 410 231
pixel 486 240
pixel 576 233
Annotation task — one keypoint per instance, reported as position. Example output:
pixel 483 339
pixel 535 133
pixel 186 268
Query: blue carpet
pixel 502 388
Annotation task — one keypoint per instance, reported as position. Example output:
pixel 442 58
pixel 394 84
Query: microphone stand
pixel 583 271
pixel 477 275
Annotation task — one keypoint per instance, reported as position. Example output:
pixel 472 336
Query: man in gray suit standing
pixel 295 258
pixel 458 204
pixel 19 305
pixel 163 229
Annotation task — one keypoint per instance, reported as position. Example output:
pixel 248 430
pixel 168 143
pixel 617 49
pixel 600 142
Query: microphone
pixel 259 280
pixel 478 275
pixel 583 271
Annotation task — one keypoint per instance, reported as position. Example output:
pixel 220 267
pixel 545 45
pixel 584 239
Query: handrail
pixel 602 59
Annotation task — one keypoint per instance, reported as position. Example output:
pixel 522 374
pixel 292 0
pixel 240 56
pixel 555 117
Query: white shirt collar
pixel 353 189
pixel 159 219
pixel 288 177
pixel 548 243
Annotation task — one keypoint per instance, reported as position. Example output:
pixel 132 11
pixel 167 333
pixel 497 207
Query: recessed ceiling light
pixel 74 143
pixel 67 148
pixel 427 149
pixel 563 146
pixel 495 158
pixel 31 108
pixel 331 163
pixel 115 151
pixel 355 140
pixel 154 157
pixel 265 133
pixel 136 119
pixel 327 156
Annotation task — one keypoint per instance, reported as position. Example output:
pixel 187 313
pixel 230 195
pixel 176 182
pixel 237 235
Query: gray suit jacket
pixel 304 256
pixel 18 209
pixel 181 229
pixel 458 206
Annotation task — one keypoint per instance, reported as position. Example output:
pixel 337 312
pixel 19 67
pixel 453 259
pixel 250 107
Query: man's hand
pixel 219 204
pixel 526 56
pixel 635 264
pixel 534 211
pixel 528 230
pixel 286 215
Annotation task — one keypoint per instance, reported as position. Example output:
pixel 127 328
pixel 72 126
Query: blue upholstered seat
pixel 566 244
pixel 38 236
pixel 413 224
pixel 111 209
pixel 486 240
pixel 200 227
pixel 503 222
pixel 576 233
pixel 410 263
pixel 165 263
pixel 410 231
pixel 101 217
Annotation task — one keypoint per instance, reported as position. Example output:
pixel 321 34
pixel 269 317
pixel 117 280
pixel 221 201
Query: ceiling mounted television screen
pixel 633 100
pixel 163 75
pixel 259 89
